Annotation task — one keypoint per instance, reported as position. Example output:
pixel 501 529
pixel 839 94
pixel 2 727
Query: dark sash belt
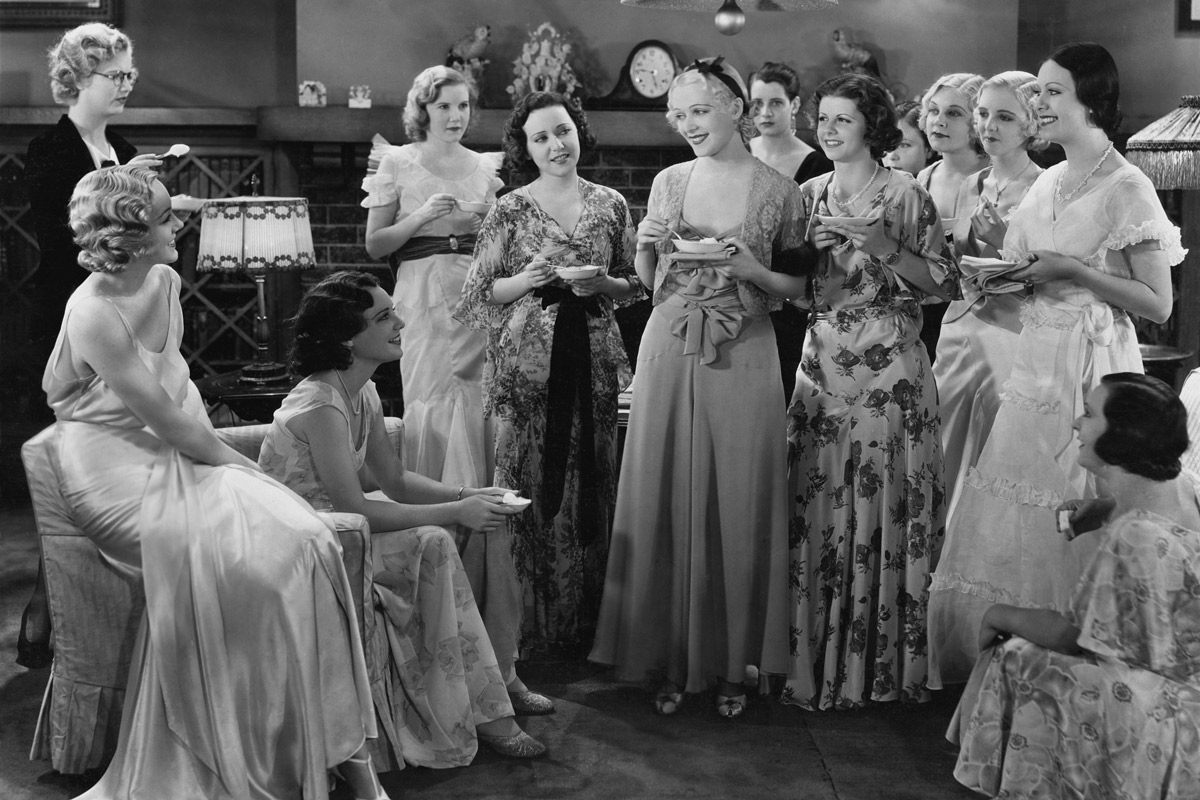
pixel 424 246
pixel 570 379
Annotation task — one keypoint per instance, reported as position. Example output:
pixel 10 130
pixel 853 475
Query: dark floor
pixel 605 741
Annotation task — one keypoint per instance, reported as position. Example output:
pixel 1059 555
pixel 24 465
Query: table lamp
pixel 1168 151
pixel 256 235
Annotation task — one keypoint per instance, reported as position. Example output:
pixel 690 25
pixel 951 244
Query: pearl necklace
pixel 846 206
pixel 1060 198
pixel 350 397
pixel 1009 182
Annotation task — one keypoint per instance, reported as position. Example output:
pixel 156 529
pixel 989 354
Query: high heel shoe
pixel 530 704
pixel 731 706
pixel 668 700
pixel 32 655
pixel 522 745
pixel 376 787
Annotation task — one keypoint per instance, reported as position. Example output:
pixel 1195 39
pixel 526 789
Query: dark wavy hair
pixel 874 103
pixel 909 112
pixel 776 72
pixel 1097 84
pixel 516 154
pixel 330 314
pixel 1146 429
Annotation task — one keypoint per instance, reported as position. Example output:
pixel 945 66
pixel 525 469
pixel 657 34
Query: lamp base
pixel 263 372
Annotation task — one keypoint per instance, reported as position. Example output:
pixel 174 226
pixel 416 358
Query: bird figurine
pixel 466 54
pixel 854 57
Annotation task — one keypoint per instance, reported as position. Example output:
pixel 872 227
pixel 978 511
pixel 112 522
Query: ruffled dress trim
pixel 1025 403
pixel 381 189
pixel 1019 493
pixel 1166 234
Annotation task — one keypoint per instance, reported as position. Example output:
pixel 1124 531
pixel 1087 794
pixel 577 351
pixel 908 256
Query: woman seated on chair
pixel 444 685
pixel 247 677
pixel 1105 701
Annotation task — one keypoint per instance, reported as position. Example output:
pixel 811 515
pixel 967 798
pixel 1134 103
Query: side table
pixel 256 402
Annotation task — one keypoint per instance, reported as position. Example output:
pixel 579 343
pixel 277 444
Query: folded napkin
pixel 990 275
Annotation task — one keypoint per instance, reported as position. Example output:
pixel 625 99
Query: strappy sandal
pixel 731 706
pixel 667 702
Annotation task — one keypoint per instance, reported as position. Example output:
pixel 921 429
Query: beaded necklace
pixel 350 397
pixel 846 206
pixel 1060 198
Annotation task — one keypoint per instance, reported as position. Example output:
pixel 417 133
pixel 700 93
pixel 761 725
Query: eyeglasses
pixel 120 78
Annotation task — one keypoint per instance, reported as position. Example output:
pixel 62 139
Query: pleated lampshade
pixel 255 234
pixel 1168 149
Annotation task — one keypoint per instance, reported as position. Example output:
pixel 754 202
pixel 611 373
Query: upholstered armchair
pixel 95 612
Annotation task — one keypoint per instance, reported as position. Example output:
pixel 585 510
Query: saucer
pixel 576 273
pixel 828 220
pixel 473 208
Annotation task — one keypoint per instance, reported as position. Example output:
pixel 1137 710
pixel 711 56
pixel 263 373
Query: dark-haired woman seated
pixel 444 684
pixel 1104 700
pixel 555 362
pixel 866 460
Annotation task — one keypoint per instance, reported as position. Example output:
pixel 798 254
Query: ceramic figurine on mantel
pixel 466 55
pixel 360 96
pixel 312 93
pixel 542 65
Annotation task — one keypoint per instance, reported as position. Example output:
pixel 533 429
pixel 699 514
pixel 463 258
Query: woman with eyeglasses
pixel 92 73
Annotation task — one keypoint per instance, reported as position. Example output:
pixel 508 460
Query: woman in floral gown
pixel 1095 243
pixel 866 459
pixel 439 689
pixel 1103 700
pixel 697 584
pixel 555 363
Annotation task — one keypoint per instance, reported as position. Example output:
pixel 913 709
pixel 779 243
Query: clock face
pixel 651 70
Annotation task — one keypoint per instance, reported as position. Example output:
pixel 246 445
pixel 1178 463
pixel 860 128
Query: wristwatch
pixel 892 259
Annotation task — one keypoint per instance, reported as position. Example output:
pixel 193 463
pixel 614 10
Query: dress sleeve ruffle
pixel 1161 231
pixel 491 163
pixel 1139 599
pixel 918 226
pixel 383 164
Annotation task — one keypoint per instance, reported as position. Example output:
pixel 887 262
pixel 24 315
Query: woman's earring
pixel 349 343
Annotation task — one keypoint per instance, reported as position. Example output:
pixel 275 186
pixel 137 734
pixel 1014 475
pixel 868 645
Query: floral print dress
pixel 556 428
pixel 866 466
pixel 1121 719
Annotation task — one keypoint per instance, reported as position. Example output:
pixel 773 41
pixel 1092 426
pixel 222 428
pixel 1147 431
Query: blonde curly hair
pixel 425 90
pixel 968 85
pixel 74 57
pixel 724 96
pixel 110 215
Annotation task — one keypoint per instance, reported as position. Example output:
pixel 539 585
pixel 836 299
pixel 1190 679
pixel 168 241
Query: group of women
pixel 805 540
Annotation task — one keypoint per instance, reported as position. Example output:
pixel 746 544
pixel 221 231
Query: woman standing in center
pixel 697 581
pixel 555 363
pixel 866 460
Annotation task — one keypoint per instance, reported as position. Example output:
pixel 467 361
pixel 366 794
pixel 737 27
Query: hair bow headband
pixel 716 69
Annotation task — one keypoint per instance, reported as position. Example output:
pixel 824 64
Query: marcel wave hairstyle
pixel 874 102
pixel 1097 83
pixel 425 90
pixel 1024 87
pixel 330 314
pixel 1146 426
pixel 74 57
pixel 110 216
pixel 968 84
pixel 516 154
pixel 722 94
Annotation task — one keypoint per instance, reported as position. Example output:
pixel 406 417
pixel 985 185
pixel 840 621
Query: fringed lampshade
pixel 256 235
pixel 1168 149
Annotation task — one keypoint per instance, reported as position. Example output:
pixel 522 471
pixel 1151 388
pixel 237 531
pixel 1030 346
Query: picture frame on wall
pixel 57 13
pixel 1189 15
